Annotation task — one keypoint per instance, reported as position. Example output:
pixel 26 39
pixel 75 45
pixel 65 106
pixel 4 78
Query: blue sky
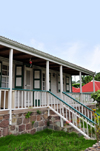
pixel 66 29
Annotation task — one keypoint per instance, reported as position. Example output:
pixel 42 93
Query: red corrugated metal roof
pixel 88 87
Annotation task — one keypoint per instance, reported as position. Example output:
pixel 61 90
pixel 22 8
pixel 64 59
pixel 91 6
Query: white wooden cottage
pixel 32 78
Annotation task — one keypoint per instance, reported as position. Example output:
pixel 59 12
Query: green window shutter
pixel 58 83
pixel 67 84
pixel 37 79
pixel 49 81
pixel 19 76
pixel 0 73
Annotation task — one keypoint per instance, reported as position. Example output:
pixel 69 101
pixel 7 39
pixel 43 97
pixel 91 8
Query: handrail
pixel 28 90
pixel 5 88
pixel 80 92
pixel 71 107
pixel 80 103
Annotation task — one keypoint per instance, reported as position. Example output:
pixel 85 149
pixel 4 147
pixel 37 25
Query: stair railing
pixel 73 117
pixel 81 107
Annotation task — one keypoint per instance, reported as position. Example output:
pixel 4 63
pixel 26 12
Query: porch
pixel 31 79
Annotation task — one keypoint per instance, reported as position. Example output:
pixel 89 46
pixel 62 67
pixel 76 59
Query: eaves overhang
pixel 32 51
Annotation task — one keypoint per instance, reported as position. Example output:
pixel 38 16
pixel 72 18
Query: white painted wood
pixel 47 75
pixel 93 85
pixel 22 99
pixel 10 84
pixel 80 76
pixel 61 82
pixel 4 99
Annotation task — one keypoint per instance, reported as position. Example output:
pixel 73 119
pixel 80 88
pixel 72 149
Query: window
pixel 67 84
pixel 19 76
pixel 49 81
pixel 43 81
pixel 5 76
pixel 37 79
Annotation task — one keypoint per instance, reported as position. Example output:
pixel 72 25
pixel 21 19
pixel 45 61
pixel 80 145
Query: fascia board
pixel 29 50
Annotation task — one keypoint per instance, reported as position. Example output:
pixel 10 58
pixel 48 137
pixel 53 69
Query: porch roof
pixel 24 53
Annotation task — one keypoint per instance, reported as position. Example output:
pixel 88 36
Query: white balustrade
pixel 29 99
pixel 4 99
pixel 86 97
pixel 77 120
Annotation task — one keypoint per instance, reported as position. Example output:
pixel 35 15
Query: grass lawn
pixel 47 140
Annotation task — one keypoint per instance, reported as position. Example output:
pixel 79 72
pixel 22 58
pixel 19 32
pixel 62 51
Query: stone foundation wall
pixel 21 124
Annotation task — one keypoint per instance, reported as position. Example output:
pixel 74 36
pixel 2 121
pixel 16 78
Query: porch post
pixel 47 84
pixel 61 90
pixel 61 82
pixel 47 75
pixel 93 84
pixel 10 83
pixel 80 86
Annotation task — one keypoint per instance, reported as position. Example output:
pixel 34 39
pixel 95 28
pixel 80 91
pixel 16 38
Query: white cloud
pixel 37 45
pixel 93 59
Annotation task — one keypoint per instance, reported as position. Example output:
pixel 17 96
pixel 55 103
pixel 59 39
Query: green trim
pixel 58 82
pixel 37 101
pixel 19 76
pixel 1 74
pixel 72 108
pixel 4 88
pixel 36 79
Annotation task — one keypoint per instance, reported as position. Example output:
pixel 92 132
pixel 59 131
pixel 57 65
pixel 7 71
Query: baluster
pixel 25 98
pixel 4 99
pixel 87 129
pixel 18 99
pixel 51 101
pixel 34 97
pixel 57 105
pixel 37 98
pixel 88 113
pixel 54 102
pixel 22 99
pixel 82 109
pixel 42 99
pixel 60 107
pixel 15 100
pixel 28 98
pixel 31 98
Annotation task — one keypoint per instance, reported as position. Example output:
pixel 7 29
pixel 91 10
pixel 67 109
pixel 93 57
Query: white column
pixel 47 75
pixel 80 82
pixel 80 86
pixel 61 90
pixel 10 83
pixel 61 82
pixel 93 84
pixel 47 84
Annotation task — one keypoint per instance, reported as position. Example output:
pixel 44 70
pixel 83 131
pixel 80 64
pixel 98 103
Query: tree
pixel 97 76
pixel 96 97
pixel 86 79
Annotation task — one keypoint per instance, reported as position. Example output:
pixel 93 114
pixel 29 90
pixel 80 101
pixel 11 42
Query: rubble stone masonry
pixel 21 124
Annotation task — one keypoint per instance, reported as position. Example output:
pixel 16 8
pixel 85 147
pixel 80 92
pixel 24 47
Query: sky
pixel 68 29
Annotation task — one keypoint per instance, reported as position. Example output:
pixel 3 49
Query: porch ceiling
pixel 23 57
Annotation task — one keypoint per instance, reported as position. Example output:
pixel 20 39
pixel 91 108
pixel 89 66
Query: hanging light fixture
pixel 30 62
